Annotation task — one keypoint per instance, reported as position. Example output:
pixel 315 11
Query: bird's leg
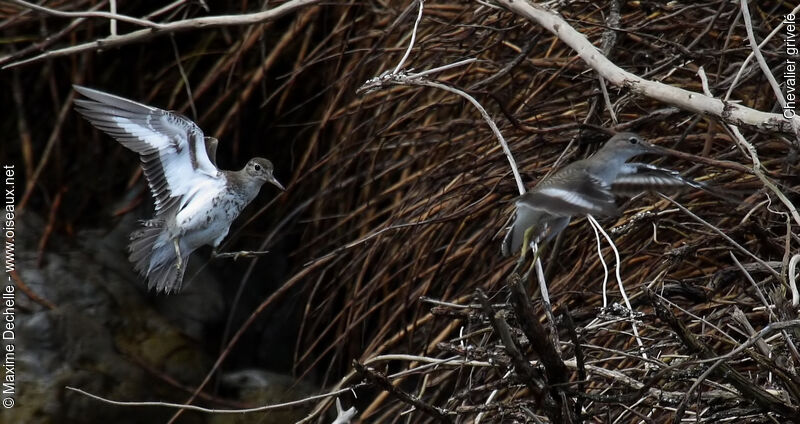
pixel 533 263
pixel 526 237
pixel 179 262
pixel 527 243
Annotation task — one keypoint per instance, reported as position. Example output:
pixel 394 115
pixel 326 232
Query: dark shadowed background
pixel 392 196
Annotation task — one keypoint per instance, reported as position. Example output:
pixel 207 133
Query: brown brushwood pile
pixel 398 200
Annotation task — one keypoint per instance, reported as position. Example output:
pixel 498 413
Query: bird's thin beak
pixel 657 149
pixel 275 182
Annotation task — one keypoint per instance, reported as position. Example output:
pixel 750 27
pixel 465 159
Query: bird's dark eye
pixel 633 140
pixel 257 167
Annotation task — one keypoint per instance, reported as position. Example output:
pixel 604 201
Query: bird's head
pixel 628 144
pixel 261 169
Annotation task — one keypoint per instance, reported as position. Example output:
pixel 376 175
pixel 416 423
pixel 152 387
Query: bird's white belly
pixel 207 219
pixel 212 234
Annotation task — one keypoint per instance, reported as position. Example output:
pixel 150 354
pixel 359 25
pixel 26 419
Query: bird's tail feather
pixel 153 257
pixel 167 277
pixel 545 227
pixel 513 239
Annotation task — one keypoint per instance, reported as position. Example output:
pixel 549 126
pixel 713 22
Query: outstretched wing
pixel 548 207
pixel 172 148
pixel 638 177
pixel 570 192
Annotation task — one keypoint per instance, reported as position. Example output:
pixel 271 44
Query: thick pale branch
pixel 729 112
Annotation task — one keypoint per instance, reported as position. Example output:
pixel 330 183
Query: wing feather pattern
pixel 171 147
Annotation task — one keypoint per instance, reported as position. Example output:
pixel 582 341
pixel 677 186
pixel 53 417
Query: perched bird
pixel 195 202
pixel 588 187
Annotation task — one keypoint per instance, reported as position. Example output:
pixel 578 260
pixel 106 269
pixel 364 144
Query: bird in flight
pixel 588 187
pixel 195 202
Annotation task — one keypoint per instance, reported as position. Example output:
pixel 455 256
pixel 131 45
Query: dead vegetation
pixel 398 199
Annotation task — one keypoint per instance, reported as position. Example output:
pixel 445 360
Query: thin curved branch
pixel 757 169
pixel 776 88
pixel 417 79
pixel 89 14
pixel 277 406
pixel 169 28
pixel 750 57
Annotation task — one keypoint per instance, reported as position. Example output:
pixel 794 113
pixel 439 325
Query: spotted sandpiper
pixel 588 187
pixel 195 202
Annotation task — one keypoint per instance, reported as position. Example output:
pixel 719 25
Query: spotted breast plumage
pixel 195 202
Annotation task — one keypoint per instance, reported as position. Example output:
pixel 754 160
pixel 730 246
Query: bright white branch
pixel 285 405
pixel 793 279
pixel 413 37
pixel 729 112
